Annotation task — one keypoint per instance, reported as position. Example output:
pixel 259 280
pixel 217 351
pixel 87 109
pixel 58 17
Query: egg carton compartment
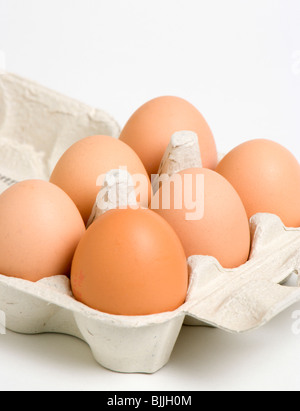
pixel 236 301
pixel 37 125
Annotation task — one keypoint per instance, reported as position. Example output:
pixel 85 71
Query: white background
pixel 238 61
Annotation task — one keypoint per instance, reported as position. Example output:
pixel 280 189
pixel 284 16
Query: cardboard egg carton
pixel 36 127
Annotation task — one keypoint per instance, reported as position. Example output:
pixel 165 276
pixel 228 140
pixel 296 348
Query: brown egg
pixel 78 170
pixel 40 228
pixel 207 214
pixel 130 262
pixel 267 177
pixel 150 128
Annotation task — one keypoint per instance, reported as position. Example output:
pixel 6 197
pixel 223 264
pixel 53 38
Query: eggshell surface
pixel 130 262
pixel 219 228
pixel 150 128
pixel 78 170
pixel 267 177
pixel 40 228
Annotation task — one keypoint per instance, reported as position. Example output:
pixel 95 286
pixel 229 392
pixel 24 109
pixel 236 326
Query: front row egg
pixel 40 228
pixel 130 262
pixel 207 214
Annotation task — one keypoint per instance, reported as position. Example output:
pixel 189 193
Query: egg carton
pixel 36 126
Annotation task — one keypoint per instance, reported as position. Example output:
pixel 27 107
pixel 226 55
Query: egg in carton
pixel 36 127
